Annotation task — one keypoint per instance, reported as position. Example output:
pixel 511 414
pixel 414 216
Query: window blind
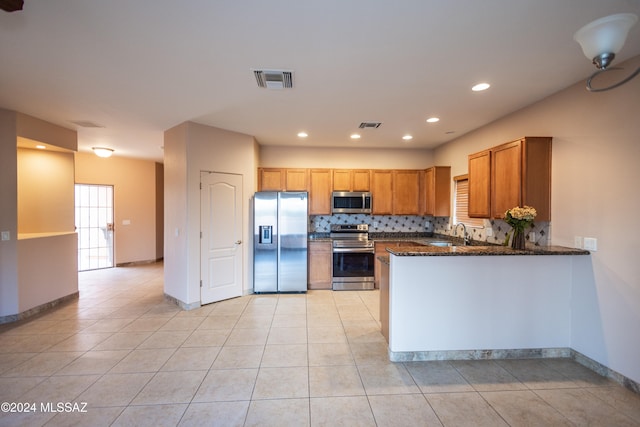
pixel 461 205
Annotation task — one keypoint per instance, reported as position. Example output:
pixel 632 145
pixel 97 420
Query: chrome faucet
pixel 465 236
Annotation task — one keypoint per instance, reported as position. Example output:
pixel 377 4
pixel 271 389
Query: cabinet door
pixel 506 178
pixel 536 175
pixel 406 192
pixel 430 190
pixel 320 192
pixel 381 250
pixel 381 189
pixel 319 264
pixel 361 180
pixel 296 179
pixel 270 179
pixel 342 180
pixel 480 185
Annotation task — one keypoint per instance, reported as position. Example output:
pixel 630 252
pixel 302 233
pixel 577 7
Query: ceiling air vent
pixel 86 124
pixel 370 125
pixel 274 79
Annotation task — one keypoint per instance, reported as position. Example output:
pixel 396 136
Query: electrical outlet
pixel 375 224
pixel 577 242
pixel 532 236
pixel 6 235
pixel 488 231
pixel 591 243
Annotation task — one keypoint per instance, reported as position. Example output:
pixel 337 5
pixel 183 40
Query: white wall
pixel 134 194
pixel 354 158
pixel 189 149
pixel 595 173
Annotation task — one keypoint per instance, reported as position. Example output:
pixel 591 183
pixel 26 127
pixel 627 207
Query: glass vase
pixel 518 239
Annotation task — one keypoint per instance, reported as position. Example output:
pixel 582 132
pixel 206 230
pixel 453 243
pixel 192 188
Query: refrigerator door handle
pixel 238 242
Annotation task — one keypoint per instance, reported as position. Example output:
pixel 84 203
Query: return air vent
pixel 274 79
pixel 370 125
pixel 86 124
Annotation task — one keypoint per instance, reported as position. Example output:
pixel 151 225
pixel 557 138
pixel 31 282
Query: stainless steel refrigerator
pixel 280 242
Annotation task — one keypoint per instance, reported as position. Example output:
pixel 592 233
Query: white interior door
pixel 221 236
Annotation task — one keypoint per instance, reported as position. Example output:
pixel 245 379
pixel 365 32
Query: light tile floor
pixel 268 360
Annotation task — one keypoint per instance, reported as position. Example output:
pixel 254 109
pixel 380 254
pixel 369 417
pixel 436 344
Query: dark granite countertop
pixel 482 250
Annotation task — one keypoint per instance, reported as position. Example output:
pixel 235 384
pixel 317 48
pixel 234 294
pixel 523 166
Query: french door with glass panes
pixel 94 224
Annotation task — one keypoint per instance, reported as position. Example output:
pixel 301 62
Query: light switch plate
pixel 489 231
pixel 6 235
pixel 577 242
pixel 591 243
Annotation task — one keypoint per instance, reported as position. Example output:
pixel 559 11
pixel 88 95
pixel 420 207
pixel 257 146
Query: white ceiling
pixel 141 67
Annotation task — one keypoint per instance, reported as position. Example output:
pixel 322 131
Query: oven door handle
pixel 354 250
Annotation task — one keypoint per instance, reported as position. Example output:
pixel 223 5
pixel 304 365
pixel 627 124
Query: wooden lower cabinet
pixel 384 299
pixel 381 249
pixel 319 265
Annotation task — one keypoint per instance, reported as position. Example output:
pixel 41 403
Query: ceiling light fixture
pixel 302 134
pixel 480 87
pixel 41 147
pixel 433 120
pixel 407 137
pixel 355 136
pixel 601 40
pixel 102 152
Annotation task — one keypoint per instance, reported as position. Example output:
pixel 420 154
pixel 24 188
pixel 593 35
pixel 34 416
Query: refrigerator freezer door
pixel 265 251
pixel 292 240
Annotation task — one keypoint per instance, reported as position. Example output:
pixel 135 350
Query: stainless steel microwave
pixel 350 202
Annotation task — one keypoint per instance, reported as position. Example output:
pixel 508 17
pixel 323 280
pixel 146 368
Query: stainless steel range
pixel 353 257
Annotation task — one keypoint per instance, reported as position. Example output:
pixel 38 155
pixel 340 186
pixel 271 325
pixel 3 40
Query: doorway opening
pixel 94 224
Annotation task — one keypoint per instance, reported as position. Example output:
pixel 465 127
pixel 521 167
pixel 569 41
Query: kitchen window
pixel 461 205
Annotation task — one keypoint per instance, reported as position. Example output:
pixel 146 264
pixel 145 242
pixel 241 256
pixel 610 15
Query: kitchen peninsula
pixel 466 302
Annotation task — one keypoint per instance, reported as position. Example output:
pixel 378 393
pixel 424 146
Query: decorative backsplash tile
pixel 421 224
pixel 377 223
pixel 499 230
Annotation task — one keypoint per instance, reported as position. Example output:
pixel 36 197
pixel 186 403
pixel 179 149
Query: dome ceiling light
pixel 601 40
pixel 102 151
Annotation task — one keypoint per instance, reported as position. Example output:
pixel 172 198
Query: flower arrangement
pixel 519 218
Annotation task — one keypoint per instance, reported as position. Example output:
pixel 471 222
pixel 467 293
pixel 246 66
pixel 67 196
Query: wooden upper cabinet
pixel 406 192
pixel 296 179
pixel 480 184
pixel 271 179
pixel 351 180
pixel 342 180
pixel 361 180
pixel 282 179
pixel 381 192
pixel 506 178
pixel 521 175
pixel 437 191
pixel 320 191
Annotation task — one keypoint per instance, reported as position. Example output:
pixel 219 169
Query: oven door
pixel 353 268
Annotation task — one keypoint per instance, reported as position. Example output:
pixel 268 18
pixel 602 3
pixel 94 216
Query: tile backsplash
pixel 377 223
pixel 421 224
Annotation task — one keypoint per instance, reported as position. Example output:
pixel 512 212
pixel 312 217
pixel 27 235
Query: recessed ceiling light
pixel 480 87
pixel 302 134
pixel 355 136
pixel 41 147
pixel 433 120
pixel 407 137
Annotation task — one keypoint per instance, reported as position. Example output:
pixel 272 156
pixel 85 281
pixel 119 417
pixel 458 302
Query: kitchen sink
pixel 440 243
